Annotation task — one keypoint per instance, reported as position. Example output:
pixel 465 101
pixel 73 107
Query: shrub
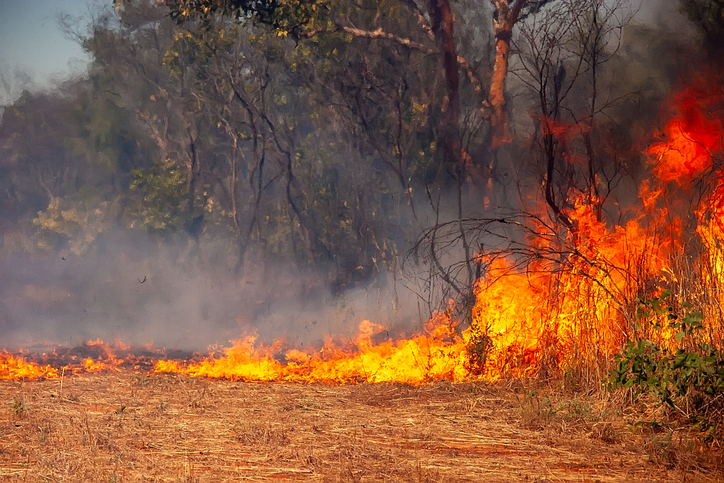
pixel 685 372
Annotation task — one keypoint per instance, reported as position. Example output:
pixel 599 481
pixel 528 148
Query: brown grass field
pixel 165 428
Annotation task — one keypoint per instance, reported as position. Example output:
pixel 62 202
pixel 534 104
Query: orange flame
pixel 12 367
pixel 692 135
pixel 416 360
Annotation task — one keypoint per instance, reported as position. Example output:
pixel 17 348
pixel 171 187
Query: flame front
pixel 434 356
pixel 13 367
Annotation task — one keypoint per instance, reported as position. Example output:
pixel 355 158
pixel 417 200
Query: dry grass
pixel 128 427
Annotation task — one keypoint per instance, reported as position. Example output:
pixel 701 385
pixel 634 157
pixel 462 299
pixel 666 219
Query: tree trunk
pixel 504 19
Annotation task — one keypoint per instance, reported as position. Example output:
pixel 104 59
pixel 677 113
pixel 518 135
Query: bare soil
pixel 165 428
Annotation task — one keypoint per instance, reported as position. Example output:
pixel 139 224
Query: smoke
pixel 172 296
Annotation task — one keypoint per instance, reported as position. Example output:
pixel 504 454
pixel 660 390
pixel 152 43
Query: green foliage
pixel 160 197
pixel 72 224
pixel 286 16
pixel 691 370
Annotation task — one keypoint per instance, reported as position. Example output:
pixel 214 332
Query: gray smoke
pixel 142 292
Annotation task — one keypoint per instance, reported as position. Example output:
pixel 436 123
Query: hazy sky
pixel 31 43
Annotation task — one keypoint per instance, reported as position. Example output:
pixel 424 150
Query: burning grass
pixel 131 427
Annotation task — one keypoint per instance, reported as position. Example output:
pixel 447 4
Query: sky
pixel 33 47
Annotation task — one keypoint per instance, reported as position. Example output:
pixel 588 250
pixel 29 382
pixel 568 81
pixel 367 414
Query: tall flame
pixel 693 135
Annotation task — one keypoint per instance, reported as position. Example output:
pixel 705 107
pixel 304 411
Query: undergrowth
pixel 684 373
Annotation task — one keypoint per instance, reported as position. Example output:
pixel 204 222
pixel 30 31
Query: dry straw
pixel 163 428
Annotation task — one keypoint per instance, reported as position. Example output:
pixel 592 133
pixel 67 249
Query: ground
pixel 166 428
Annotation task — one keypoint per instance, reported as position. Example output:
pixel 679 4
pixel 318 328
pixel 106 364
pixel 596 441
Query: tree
pixel 424 29
pixel 507 13
pixel 66 158
pixel 435 35
pixel 135 69
pixel 239 131
pixel 562 54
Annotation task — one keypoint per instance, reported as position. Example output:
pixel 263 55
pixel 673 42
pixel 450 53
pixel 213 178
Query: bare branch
pixel 379 33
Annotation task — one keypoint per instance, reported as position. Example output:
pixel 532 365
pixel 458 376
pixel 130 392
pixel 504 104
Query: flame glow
pixel 13 367
pixel 434 356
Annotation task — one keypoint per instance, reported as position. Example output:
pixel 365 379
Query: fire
pixel 437 354
pixel 433 356
pixel 13 367
pixel 574 305
pixel 692 135
pixel 568 312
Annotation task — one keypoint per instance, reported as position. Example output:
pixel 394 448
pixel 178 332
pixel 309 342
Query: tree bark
pixel 504 19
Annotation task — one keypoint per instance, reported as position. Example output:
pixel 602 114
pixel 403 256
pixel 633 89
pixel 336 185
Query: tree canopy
pixel 329 134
